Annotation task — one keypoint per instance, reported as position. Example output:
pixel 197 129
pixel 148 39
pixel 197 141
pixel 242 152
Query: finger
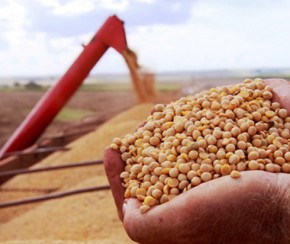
pixel 135 223
pixel 281 90
pixel 221 201
pixel 114 165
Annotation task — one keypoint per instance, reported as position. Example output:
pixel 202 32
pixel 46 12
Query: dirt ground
pixel 103 105
pixel 84 218
pixel 15 105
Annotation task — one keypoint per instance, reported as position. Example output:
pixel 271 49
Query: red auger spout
pixel 111 34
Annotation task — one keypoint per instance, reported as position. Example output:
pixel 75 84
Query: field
pixel 100 101
pixel 97 101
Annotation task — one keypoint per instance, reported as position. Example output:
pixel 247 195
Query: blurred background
pixel 188 45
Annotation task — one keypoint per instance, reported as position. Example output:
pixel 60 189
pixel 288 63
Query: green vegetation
pixel 106 87
pixel 109 87
pixel 167 87
pixel 281 76
pixel 23 88
pixel 72 114
pixel 91 87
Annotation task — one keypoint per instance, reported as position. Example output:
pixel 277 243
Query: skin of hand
pixel 254 208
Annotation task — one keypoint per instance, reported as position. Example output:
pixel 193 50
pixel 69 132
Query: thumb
pixel 114 166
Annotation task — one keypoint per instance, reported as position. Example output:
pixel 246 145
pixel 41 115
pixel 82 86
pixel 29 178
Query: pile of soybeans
pixel 82 218
pixel 199 138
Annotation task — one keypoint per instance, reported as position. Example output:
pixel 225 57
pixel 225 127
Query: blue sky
pixel 43 37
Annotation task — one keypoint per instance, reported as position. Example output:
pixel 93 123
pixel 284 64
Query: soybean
pixel 201 137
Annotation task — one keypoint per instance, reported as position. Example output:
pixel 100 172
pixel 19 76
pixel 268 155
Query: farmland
pixel 97 100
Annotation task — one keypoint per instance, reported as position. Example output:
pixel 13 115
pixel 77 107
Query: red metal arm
pixel 111 34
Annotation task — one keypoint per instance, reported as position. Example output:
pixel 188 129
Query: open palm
pixel 251 209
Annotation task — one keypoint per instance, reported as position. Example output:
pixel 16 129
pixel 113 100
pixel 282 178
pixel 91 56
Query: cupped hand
pixel 252 209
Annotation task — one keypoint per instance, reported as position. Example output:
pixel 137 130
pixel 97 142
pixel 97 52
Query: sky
pixel 44 37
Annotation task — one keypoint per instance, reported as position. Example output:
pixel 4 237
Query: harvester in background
pixel 111 34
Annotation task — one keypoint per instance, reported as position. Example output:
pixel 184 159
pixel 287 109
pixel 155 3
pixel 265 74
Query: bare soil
pixel 83 218
pixel 17 104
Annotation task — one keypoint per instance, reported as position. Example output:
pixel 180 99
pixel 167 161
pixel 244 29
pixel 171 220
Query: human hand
pixel 251 209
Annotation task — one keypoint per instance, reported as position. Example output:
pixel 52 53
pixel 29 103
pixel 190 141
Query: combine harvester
pixel 111 34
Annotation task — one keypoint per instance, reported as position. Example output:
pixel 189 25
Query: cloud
pixel 73 8
pixel 219 35
pixel 118 6
pixel 60 20
pixel 79 17
pixel 13 21
pixel 45 36
pixel 159 12
pixel 12 15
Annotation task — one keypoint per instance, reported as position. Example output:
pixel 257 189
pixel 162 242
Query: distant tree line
pixel 30 85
